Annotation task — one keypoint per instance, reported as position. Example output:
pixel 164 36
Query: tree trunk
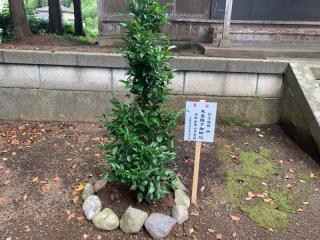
pixel 55 17
pixel 21 27
pixel 78 24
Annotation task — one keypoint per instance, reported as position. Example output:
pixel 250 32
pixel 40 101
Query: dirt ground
pixel 54 43
pixel 42 166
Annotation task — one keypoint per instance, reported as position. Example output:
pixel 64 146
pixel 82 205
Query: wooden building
pixel 201 21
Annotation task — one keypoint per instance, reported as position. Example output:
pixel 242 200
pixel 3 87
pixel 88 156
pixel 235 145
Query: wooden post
pixel 225 41
pixel 196 171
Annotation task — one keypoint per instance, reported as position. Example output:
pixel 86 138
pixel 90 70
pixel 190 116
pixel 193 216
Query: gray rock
pixel 180 213
pixel 159 225
pixel 181 198
pixel 178 185
pixel 91 206
pixel 100 184
pixel 87 191
pixel 133 220
pixel 106 220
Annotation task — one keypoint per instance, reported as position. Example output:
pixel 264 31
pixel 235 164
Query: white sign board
pixel 200 121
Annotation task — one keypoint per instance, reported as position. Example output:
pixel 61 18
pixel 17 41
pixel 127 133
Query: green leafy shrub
pixel 142 151
pixel 38 26
pixel 6 27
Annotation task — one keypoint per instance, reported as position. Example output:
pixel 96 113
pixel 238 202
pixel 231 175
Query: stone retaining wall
pixel 78 86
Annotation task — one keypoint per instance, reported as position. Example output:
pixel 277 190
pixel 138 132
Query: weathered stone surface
pixel 133 220
pixel 181 198
pixel 178 185
pixel 100 184
pixel 91 206
pixel 106 220
pixel 159 225
pixel 87 191
pixel 180 213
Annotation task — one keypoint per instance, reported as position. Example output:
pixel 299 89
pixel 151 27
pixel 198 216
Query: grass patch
pixel 264 152
pixel 234 121
pixel 251 167
pixel 234 190
pixel 223 154
pixel 283 200
pixel 304 176
pixel 265 216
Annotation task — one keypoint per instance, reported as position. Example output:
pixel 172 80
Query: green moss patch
pixel 234 190
pixel 254 168
pixel 264 152
pixel 265 216
pixel 283 200
pixel 223 154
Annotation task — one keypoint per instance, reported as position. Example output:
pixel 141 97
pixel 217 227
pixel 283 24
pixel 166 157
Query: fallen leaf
pixel 6 183
pixel 302 181
pixel 35 179
pixel 1 167
pixel 305 203
pixel 13 153
pixel 195 213
pixel 210 230
pixel 191 230
pixel 270 229
pixel 267 200
pixel 235 235
pixel 80 187
pixel 57 179
pixel 291 170
pixel 75 199
pixel 80 218
pixel 202 188
pixel 27 229
pixel 261 135
pixel 71 216
pixel 235 218
pixel 300 210
pixel 25 197
pixel 291 160
pixel 85 236
pixel 289 185
pixel 281 162
pixel 219 236
pixel 8 238
pixel 312 175
pixel 262 195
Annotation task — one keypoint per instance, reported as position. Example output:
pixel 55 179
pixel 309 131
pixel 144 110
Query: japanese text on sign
pixel 200 121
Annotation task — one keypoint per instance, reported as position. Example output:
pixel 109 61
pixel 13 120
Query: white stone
pixel 159 225
pixel 269 85
pixel 133 220
pixel 100 184
pixel 178 185
pixel 106 220
pixel 91 206
pixel 87 191
pixel 19 76
pixel 75 78
pixel 181 198
pixel 180 213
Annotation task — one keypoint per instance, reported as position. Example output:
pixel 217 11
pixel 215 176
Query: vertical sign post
pixel 200 123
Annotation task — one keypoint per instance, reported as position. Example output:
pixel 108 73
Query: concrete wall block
pixel 177 83
pixel 269 85
pixel 40 57
pixel 251 109
pixel 14 75
pixel 117 76
pixel 20 104
pixel 220 84
pixel 75 78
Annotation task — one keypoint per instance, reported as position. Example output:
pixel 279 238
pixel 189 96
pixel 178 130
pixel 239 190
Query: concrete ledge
pixel 301 108
pixel 116 61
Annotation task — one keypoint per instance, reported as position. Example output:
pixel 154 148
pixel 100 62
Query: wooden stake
pixel 196 173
